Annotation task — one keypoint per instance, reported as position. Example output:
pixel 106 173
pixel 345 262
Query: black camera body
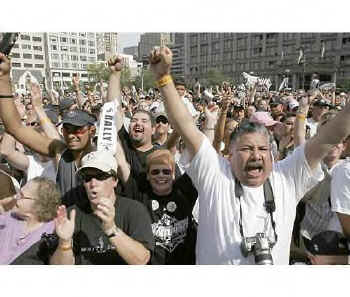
pixel 261 246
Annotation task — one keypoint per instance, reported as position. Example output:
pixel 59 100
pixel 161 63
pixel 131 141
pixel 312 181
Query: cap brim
pixel 99 166
pixel 75 122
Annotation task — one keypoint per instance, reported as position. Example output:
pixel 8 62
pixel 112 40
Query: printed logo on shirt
pixel 169 232
pixel 100 248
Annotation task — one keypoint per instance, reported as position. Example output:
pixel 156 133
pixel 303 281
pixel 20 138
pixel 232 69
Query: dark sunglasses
pixel 98 176
pixel 33 124
pixel 164 171
pixel 161 120
pixel 75 129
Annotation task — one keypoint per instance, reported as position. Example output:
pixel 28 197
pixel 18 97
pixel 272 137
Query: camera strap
pixel 269 204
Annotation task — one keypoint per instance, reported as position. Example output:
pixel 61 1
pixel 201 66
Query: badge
pixel 171 206
pixel 155 205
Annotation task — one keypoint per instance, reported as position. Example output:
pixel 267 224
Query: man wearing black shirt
pixel 111 229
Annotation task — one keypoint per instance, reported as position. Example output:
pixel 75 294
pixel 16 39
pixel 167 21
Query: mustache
pixel 254 165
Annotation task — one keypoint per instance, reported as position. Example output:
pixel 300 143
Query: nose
pixel 255 155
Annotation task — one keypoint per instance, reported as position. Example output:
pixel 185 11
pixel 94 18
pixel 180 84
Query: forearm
pixel 123 165
pixel 79 98
pixel 130 250
pixel 46 124
pixel 300 127
pixel 113 92
pixel 180 118
pixel 209 130
pixel 171 142
pixel 64 254
pixel 220 130
pixel 329 135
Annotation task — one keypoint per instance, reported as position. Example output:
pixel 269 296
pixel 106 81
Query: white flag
pixel 284 84
pixel 301 56
pixel 107 134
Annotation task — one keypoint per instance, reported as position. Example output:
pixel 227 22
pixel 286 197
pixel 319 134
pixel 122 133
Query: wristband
pixel 112 232
pixel 45 120
pixel 66 247
pixel 166 79
pixel 301 116
pixel 6 96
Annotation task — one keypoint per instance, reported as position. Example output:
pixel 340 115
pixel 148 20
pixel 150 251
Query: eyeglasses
pixel 164 171
pixel 98 176
pixel 162 120
pixel 75 129
pixel 33 124
pixel 20 196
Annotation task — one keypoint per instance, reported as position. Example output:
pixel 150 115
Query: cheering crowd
pixel 203 175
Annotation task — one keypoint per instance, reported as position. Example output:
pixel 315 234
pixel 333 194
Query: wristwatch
pixel 113 232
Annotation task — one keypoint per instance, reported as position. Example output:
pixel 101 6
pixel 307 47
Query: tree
pixel 148 80
pixel 214 77
pixel 125 79
pixel 98 71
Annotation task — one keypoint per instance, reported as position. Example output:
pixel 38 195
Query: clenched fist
pixel 115 64
pixel 161 60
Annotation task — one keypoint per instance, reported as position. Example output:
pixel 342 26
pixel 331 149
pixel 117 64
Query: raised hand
pixel 115 64
pixel 36 95
pixel 6 204
pixel 211 113
pixel 161 60
pixel 106 212
pixel 5 65
pixel 75 81
pixel 64 225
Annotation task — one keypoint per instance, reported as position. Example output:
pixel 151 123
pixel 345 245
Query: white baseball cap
pixel 102 160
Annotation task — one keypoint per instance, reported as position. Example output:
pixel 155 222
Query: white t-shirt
pixel 219 238
pixel 340 188
pixel 43 169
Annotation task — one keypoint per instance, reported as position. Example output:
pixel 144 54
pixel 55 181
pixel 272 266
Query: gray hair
pixel 247 127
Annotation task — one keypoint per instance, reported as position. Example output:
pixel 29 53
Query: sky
pixel 127 39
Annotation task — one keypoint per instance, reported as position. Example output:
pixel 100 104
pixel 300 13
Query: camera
pixel 261 246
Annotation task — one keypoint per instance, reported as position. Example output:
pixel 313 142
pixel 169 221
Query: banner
pixel 107 134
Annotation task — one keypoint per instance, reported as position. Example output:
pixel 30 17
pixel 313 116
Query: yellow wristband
pixel 301 117
pixel 65 247
pixel 164 81
pixel 45 120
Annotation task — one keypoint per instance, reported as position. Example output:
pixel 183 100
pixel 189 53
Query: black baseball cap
pixel 238 107
pixel 322 102
pixel 65 104
pixel 78 118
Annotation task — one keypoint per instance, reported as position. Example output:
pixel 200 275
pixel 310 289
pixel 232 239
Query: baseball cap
pixel 263 118
pixel 65 104
pixel 78 118
pixel 52 115
pixel 276 102
pixel 102 160
pixel 160 114
pixel 293 104
pixel 328 243
pixel 322 102
pixel 238 107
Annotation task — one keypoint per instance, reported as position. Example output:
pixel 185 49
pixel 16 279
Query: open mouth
pixel 254 170
pixel 138 130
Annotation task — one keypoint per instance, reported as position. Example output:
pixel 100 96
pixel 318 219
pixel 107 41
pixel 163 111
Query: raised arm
pixel 46 124
pixel 75 81
pixel 220 126
pixel 114 90
pixel 211 118
pixel 180 118
pixel 329 135
pixel 8 150
pixel 10 117
pixel 300 127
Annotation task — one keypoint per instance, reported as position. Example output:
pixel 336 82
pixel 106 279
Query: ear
pixel 153 129
pixel 93 130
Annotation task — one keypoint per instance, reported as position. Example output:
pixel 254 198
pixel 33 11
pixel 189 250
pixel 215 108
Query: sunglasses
pixel 98 176
pixel 74 129
pixel 161 120
pixel 164 171
pixel 33 124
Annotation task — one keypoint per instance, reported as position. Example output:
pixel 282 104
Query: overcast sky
pixel 127 39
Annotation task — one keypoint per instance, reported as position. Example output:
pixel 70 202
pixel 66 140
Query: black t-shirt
pixel 173 228
pixel 92 246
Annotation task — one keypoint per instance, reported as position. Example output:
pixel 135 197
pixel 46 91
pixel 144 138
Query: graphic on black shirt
pixel 169 232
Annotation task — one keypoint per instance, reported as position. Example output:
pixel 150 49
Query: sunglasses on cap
pixel 164 171
pixel 161 120
pixel 100 176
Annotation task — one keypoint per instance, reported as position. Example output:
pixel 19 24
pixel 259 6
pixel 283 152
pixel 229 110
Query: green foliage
pixel 98 71
pixel 344 84
pixel 148 80
pixel 214 77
